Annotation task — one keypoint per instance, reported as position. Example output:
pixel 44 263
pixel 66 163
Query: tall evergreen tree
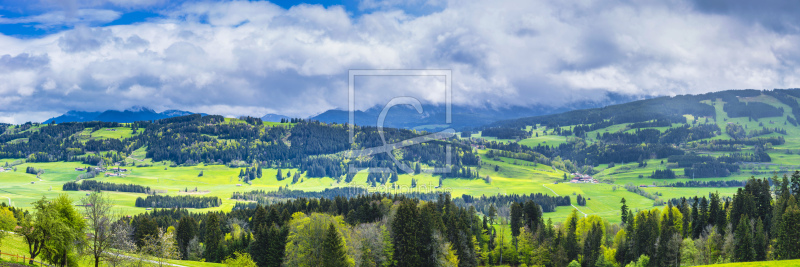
pixel 787 245
pixel 743 250
pixel 213 239
pixel 277 245
pixel 334 253
pixel 624 211
pixel 259 219
pixel 760 242
pixel 404 228
pixel 702 215
pixel 697 226
pixel 258 248
pixel 591 246
pixel 571 240
pixel 714 209
pixel 516 218
pixel 186 231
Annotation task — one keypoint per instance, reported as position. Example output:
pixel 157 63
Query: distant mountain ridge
pixel 433 117
pixel 274 117
pixel 135 113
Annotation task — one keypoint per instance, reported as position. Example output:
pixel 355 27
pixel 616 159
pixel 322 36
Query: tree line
pixel 167 201
pixel 92 185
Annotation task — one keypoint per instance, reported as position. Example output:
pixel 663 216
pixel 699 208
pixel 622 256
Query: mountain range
pixel 433 117
pixel 135 113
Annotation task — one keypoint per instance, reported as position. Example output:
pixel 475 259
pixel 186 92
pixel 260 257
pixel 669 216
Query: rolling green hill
pixel 617 145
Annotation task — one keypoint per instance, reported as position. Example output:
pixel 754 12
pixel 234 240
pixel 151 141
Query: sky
pixel 256 57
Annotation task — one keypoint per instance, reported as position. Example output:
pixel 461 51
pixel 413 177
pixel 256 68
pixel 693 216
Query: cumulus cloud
pixel 249 58
pixel 84 39
pixel 63 17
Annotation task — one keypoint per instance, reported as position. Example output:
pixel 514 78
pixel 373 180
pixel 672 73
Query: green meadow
pixel 506 175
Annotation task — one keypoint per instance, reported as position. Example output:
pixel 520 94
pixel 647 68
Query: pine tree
pixel 591 246
pixel 571 240
pixel 277 245
pixel 213 239
pixel 697 226
pixel 516 218
pixel 187 227
pixel 260 246
pixel 259 219
pixel 744 241
pixel 258 171
pixel 624 211
pixel 786 245
pixel 760 243
pixel 334 253
pixel 404 231
pixel 714 209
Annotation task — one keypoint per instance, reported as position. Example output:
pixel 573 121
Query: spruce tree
pixel 277 245
pixel 697 226
pixel 516 218
pixel 404 230
pixel 259 218
pixel 213 239
pixel 760 242
pixel 187 228
pixel 714 209
pixel 260 246
pixel 591 246
pixel 787 245
pixel 571 241
pixel 624 211
pixel 334 253
pixel 743 250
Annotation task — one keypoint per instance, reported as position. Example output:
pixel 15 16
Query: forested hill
pixel 708 135
pixel 136 113
pixel 667 109
pixel 315 148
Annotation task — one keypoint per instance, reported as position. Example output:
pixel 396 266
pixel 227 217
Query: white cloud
pixel 64 17
pixel 249 58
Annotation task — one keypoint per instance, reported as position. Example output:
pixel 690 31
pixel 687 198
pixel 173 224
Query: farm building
pixel 582 178
pixel 80 169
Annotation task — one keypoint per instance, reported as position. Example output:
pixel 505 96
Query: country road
pixel 554 192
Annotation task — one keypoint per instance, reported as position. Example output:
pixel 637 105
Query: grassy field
pixel 507 176
pixel 512 177
pixel 14 244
